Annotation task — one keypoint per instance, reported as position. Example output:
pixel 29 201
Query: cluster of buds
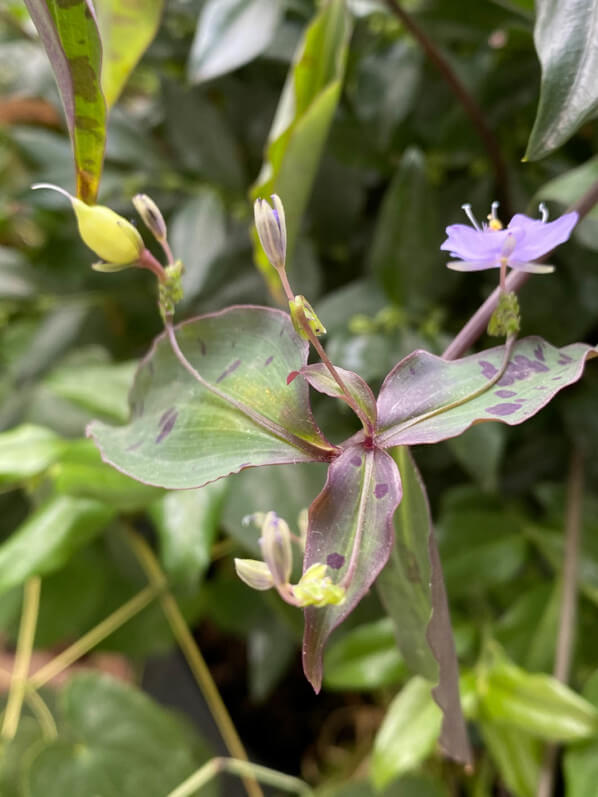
pixel 119 245
pixel 271 228
pixel 314 588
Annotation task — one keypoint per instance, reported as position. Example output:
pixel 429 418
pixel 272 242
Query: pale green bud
pixel 151 215
pixel 254 573
pixel 316 589
pixel 301 310
pixel 109 235
pixel 271 229
pixel 276 547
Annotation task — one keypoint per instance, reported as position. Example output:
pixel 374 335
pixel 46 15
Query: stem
pixel 192 654
pixel 148 261
pixel 22 658
pixel 367 424
pixel 95 636
pixel 567 620
pixel 286 284
pixel 477 324
pixel 242 768
pixel 42 713
pixel 167 251
pixel 471 107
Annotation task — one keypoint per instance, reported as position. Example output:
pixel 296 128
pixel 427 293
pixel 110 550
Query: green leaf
pixel 229 34
pixel 126 29
pixel 320 378
pixel 425 399
pixel 115 742
pixel 46 540
pixel 408 733
pixel 302 122
pixel 581 760
pixel 350 531
pixel 101 388
pixel 69 33
pixel 27 451
pixel 567 188
pixel 479 451
pixel 184 433
pixel 535 703
pixel 198 236
pixel 565 39
pixel 407 236
pixel 81 472
pixel 364 658
pixel 187 523
pixel 411 587
pixel 518 757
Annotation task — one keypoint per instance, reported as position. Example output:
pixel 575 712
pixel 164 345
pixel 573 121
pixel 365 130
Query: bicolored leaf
pixel 565 38
pixel 69 33
pixel 229 34
pixel 426 399
pixel 302 121
pixel 350 530
pixel 411 587
pixel 320 378
pixel 185 432
pixel 127 28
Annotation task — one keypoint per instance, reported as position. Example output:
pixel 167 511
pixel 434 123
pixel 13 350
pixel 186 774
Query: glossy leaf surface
pixel 302 121
pixel 229 34
pixel 127 28
pixel 350 530
pixel 565 38
pixel 69 33
pixel 426 399
pixel 185 433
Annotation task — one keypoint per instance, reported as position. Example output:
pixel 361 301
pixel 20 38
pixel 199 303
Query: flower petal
pixel 540 237
pixel 532 268
pixel 472 265
pixel 470 244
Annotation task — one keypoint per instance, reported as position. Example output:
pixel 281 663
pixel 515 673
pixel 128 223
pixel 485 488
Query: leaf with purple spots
pixel 350 530
pixel 426 399
pixel 241 415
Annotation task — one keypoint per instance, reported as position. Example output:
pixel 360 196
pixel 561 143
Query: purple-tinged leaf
pixel 426 399
pixel 320 378
pixel 70 36
pixel 350 530
pixel 185 433
pixel 411 587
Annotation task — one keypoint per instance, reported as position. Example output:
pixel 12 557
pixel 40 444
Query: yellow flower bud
pixel 109 235
pixel 302 313
pixel 316 588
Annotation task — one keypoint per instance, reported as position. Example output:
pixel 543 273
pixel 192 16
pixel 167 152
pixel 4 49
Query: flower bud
pixel 151 215
pixel 254 573
pixel 276 548
pixel 109 235
pixel 302 313
pixel 271 229
pixel 316 589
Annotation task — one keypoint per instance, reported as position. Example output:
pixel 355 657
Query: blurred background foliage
pixel 400 157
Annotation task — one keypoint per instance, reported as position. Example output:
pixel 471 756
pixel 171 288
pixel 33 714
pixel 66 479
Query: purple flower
pixel 518 245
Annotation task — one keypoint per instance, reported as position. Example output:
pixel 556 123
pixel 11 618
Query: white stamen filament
pixel 470 216
pixel 494 210
pixel 543 212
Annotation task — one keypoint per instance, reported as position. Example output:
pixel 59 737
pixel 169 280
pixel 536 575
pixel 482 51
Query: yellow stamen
pixel 494 223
